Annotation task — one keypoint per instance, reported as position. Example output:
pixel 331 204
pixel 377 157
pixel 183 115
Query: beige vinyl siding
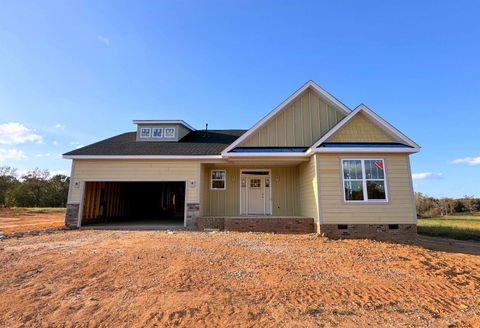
pixel 134 170
pixel 360 129
pixel 307 190
pixel 301 123
pixel 399 209
pixel 227 202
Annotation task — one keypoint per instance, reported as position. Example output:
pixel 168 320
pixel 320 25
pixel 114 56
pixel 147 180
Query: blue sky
pixel 75 72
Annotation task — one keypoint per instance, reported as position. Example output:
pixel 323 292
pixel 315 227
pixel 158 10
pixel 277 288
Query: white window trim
pixel 145 137
pixel 224 180
pixel 155 137
pixel 364 182
pixel 170 128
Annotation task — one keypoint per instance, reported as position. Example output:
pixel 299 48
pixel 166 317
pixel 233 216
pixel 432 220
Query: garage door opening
pixel 134 203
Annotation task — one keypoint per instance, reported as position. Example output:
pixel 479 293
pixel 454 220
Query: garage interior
pixel 133 203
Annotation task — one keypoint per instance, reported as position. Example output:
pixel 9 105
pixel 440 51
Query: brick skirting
pixel 211 223
pixel 258 224
pixel 384 232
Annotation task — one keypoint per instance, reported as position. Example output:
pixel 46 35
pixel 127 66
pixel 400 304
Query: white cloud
pixel 103 39
pixel 467 160
pixel 12 154
pixel 79 146
pixel 57 172
pixel 43 155
pixel 55 142
pixel 60 126
pixel 74 143
pixel 426 176
pixel 16 133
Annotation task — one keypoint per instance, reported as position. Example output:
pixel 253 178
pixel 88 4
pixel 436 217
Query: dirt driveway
pixel 148 278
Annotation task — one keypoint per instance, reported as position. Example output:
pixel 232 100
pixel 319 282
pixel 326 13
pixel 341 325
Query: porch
pixel 270 188
pixel 258 223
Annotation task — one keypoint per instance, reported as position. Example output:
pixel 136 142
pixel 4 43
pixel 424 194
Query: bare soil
pixel 23 219
pixel 156 278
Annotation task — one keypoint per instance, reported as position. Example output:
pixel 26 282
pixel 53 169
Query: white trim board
pixel 310 84
pixel 279 155
pixel 387 127
pixel 366 150
pixel 142 156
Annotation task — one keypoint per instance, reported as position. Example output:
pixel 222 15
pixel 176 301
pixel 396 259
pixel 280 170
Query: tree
pixel 8 179
pixel 57 191
pixel 35 182
pixel 21 195
pixel 470 204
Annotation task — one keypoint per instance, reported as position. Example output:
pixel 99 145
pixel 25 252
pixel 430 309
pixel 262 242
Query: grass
pixel 457 227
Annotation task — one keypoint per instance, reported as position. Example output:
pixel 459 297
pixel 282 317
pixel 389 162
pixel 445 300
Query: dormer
pixel 162 130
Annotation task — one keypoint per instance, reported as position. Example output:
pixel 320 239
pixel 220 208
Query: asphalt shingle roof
pixel 194 143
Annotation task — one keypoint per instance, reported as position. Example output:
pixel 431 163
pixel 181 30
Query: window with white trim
pixel 145 132
pixel 364 180
pixel 157 133
pixel 218 180
pixel 169 132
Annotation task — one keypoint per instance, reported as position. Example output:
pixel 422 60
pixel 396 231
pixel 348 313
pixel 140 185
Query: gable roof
pixel 196 143
pixel 310 84
pixel 376 119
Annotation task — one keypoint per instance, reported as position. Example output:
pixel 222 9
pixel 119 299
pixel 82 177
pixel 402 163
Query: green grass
pixel 457 227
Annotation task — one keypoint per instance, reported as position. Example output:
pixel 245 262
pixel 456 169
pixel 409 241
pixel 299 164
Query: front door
pixel 256 195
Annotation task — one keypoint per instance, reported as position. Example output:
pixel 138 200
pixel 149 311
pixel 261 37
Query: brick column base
pixel 193 212
pixel 71 216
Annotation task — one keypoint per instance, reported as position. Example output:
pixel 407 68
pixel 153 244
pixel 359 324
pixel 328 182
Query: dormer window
pixel 169 132
pixel 145 132
pixel 157 132
pixel 162 130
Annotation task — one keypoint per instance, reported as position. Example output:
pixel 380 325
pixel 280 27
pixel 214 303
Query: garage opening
pixel 144 203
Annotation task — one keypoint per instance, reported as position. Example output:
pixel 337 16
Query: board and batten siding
pixel 227 202
pixel 302 123
pixel 220 202
pixel 307 190
pixel 400 208
pixel 134 170
pixel 360 129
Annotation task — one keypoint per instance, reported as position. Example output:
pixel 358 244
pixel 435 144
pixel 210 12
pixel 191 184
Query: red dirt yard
pixel 156 278
pixel 22 219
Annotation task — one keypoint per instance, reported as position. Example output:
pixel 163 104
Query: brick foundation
pixel 211 223
pixel 193 212
pixel 259 224
pixel 404 233
pixel 71 216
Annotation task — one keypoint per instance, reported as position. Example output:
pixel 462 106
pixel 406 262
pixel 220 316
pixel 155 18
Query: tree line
pixel 430 207
pixel 34 188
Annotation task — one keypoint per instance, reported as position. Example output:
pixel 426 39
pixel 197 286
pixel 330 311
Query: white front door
pixel 256 195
